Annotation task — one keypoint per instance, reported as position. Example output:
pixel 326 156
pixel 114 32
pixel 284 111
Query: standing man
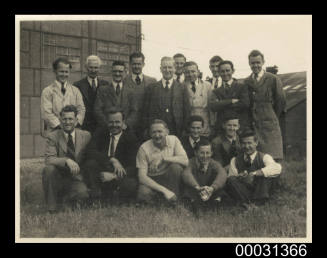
pixel 215 81
pixel 167 100
pixel 160 162
pixel 88 86
pixel 180 60
pixel 64 153
pixel 116 94
pixel 198 93
pixel 138 83
pixel 110 165
pixel 267 102
pixel 60 94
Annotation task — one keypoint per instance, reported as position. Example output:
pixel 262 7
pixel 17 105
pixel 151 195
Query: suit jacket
pixel 56 147
pixel 267 102
pixel 84 87
pixel 188 147
pixel 126 148
pixel 106 98
pixel 180 105
pixel 221 148
pixel 221 102
pixel 52 101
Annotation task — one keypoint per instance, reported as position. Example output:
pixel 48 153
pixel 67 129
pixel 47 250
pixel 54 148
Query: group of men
pixel 179 138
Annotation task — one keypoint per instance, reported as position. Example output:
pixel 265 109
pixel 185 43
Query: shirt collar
pixel 89 79
pixel 260 74
pixel 230 140
pixel 229 82
pixel 192 142
pixel 198 165
pixel 117 136
pixel 252 156
pixel 115 84
pixel 167 144
pixel 59 84
pixel 139 75
pixel 72 133
pixel 170 82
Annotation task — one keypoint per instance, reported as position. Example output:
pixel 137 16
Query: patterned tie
pixel 70 147
pixel 63 90
pixel 193 87
pixel 216 83
pixel 138 80
pixel 178 77
pixel 167 84
pixel 94 87
pixel 118 89
pixel 112 145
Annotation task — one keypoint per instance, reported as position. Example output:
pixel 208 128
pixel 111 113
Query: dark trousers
pixel 171 179
pixel 59 184
pixel 260 189
pixel 125 187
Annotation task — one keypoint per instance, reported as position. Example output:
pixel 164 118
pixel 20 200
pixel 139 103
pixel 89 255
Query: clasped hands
pixel 205 190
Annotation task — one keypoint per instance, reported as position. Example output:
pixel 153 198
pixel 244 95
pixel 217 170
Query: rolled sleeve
pixel 232 171
pixel 178 148
pixel 141 159
pixel 272 168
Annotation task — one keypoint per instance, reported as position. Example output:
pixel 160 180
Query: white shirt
pixel 230 82
pixel 164 82
pixel 116 139
pixel 89 79
pixel 181 78
pixel 135 75
pixel 73 136
pixel 259 75
pixel 271 169
pixel 116 83
pixel 220 82
pixel 192 142
pixel 59 84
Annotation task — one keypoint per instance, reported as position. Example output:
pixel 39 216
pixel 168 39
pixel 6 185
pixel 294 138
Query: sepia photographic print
pixel 163 128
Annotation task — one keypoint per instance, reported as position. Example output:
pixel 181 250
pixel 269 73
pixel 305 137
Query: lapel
pixel 112 92
pixel 57 90
pixel 78 141
pixel 62 141
pixel 120 143
pixel 262 80
pixel 226 143
pixel 84 88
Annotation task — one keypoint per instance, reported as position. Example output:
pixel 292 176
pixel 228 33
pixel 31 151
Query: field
pixel 283 216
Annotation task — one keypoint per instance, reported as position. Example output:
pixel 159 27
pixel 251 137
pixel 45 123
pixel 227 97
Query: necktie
pixel 256 77
pixel 118 89
pixel 178 77
pixel 247 160
pixel 70 147
pixel 167 88
pixel 193 86
pixel 216 83
pixel 94 87
pixel 138 80
pixel 112 145
pixel 233 151
pixel 227 88
pixel 63 90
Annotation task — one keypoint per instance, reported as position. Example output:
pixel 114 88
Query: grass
pixel 283 216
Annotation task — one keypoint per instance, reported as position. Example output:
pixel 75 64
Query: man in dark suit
pixel 195 128
pixel 116 94
pixel 110 167
pixel 167 100
pixel 65 151
pixel 138 83
pixel 88 87
pixel 232 96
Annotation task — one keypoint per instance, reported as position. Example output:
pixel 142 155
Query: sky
pixel 285 41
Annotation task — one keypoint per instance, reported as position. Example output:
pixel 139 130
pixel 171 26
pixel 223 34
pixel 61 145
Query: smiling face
pixel 167 69
pixel 118 73
pixel 191 73
pixel 62 72
pixel 137 65
pixel 204 154
pixel 196 129
pixel 226 72
pixel 249 145
pixel 158 134
pixel 179 63
pixel 115 123
pixel 214 68
pixel 68 121
pixel 93 67
pixel 256 63
pixel 230 128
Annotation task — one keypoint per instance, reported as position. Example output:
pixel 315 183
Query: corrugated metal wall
pixel 41 42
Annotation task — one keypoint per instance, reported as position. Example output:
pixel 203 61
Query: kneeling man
pixel 160 162
pixel 65 150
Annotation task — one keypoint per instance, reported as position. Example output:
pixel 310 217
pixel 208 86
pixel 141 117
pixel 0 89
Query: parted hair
pixel 226 62
pixel 195 118
pixel 69 108
pixel 254 53
pixel 189 63
pixel 215 59
pixel 179 55
pixel 63 60
pixel 114 110
pixel 202 142
pixel 249 133
pixel 158 121
pixel 118 62
pixel 136 55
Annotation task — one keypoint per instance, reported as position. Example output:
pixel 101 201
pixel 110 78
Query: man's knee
pixel 90 164
pixel 175 169
pixel 49 171
pixel 79 191
pixel 144 193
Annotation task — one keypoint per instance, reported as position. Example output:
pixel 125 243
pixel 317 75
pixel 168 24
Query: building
pixel 41 42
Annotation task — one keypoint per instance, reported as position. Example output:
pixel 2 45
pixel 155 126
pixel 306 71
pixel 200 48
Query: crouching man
pixel 252 174
pixel 65 150
pixel 204 177
pixel 160 162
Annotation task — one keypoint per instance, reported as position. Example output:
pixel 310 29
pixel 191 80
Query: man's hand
pixel 73 166
pixel 118 168
pixel 235 101
pixel 107 176
pixel 208 190
pixel 243 174
pixel 257 173
pixel 169 195
pixel 155 163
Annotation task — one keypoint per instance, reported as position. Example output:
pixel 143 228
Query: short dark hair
pixel 249 133
pixel 254 53
pixel 69 108
pixel 118 62
pixel 190 63
pixel 136 55
pixel 202 142
pixel 114 110
pixel 179 55
pixel 230 115
pixel 158 121
pixel 215 59
pixel 63 60
pixel 226 62
pixel 195 118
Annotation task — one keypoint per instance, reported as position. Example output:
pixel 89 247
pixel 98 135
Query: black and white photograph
pixel 163 128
